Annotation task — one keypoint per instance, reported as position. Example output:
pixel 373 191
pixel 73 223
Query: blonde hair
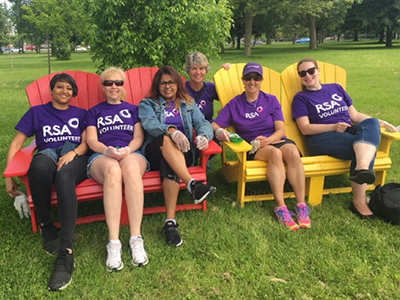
pixel 107 73
pixel 196 58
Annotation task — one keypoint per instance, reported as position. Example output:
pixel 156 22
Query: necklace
pixel 254 103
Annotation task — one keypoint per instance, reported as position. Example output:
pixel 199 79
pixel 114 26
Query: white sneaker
pixel 139 255
pixel 114 260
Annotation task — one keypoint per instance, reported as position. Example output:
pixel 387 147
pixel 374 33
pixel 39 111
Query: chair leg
pixel 314 189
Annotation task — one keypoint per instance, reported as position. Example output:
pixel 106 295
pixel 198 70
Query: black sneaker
pixel 172 236
pixel 201 191
pixel 51 242
pixel 62 275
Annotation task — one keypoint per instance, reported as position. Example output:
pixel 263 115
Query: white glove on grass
pixel 21 204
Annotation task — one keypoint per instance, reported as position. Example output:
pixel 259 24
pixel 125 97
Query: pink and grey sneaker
pixel 303 218
pixel 285 217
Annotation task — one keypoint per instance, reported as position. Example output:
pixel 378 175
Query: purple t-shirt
pixel 53 127
pixel 205 103
pixel 328 105
pixel 251 119
pixel 115 123
pixel 173 117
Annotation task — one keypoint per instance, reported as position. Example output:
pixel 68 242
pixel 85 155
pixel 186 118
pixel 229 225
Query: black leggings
pixel 42 174
pixel 157 161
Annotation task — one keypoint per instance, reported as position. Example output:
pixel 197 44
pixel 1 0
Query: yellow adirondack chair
pixel 229 84
pixel 291 84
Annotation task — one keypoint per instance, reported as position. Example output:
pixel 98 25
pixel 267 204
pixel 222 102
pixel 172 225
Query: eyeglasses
pixel 309 71
pixel 111 82
pixel 165 83
pixel 250 77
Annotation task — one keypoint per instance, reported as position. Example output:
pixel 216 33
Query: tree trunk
pixel 222 48
pixel 389 36
pixel 355 39
pixel 269 39
pixel 381 37
pixel 248 23
pixel 313 32
pixel 238 42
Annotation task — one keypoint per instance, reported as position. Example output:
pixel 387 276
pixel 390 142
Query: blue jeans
pixel 340 144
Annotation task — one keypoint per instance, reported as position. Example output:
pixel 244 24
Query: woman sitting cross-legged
pixel 169 116
pixel 115 134
pixel 258 119
pixel 332 126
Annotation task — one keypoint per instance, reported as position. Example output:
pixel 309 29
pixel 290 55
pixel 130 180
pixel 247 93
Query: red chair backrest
pixel 137 86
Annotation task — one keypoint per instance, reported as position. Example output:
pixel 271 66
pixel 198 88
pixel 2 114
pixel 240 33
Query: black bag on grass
pixel 385 202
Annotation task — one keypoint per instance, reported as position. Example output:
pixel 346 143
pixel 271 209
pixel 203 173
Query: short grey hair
pixel 196 58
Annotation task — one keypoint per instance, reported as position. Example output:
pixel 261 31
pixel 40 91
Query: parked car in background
pixel 80 48
pixel 302 41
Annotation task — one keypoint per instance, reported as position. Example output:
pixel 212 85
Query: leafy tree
pixel 3 25
pixel 314 10
pixel 383 15
pixel 134 33
pixel 57 21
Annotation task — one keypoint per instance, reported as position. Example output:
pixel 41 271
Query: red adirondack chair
pixel 137 85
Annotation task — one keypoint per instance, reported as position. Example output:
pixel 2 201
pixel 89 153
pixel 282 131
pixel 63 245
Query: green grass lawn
pixel 228 252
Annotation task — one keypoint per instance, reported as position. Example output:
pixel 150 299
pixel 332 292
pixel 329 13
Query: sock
pixel 280 207
pixel 115 242
pixel 170 220
pixel 189 186
pixel 136 237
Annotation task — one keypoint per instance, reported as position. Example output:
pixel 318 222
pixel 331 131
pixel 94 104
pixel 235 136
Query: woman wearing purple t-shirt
pixel 169 117
pixel 258 119
pixel 332 126
pixel 115 134
pixel 203 93
pixel 59 129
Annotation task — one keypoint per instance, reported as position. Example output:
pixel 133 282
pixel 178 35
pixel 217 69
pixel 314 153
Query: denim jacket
pixel 152 116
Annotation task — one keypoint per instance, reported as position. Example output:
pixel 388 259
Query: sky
pixel 5 1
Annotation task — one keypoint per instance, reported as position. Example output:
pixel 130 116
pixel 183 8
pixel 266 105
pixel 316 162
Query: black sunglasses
pixel 170 83
pixel 111 82
pixel 250 77
pixel 309 71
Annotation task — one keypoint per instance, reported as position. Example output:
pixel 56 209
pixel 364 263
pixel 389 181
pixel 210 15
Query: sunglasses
pixel 165 83
pixel 250 77
pixel 111 82
pixel 309 71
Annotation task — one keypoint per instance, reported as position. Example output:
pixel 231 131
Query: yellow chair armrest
pixel 238 147
pixel 390 135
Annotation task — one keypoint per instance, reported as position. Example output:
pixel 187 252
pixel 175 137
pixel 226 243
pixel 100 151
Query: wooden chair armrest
pixel 238 147
pixel 390 135
pixel 213 148
pixel 21 161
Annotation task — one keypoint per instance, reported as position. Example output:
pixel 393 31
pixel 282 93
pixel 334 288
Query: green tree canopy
pixel 59 21
pixel 134 33
pixel 3 25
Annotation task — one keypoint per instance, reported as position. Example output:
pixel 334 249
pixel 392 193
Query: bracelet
pixel 76 153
